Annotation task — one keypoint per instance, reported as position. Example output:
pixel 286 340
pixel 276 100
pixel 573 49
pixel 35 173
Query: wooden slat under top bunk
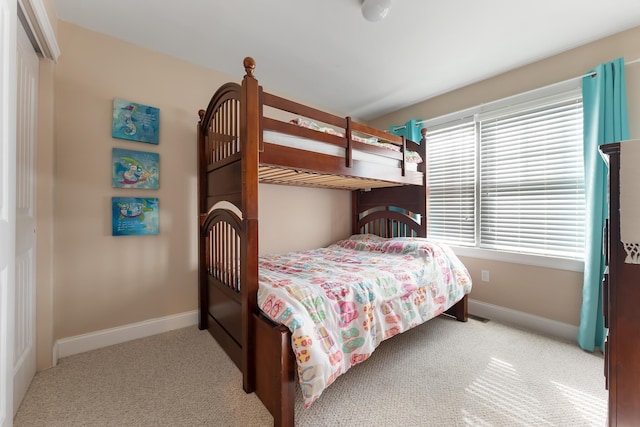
pixel 283 176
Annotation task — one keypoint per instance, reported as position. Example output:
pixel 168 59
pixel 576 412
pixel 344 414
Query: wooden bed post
pixel 424 168
pixel 355 212
pixel 250 140
pixel 203 296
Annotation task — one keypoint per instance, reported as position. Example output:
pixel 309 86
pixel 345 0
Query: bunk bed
pixel 247 136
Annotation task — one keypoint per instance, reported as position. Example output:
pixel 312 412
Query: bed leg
pixel 203 283
pixel 203 304
pixel 459 310
pixel 283 420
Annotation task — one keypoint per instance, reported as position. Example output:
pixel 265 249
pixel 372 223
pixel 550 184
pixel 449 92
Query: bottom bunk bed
pixel 340 302
pixel 320 312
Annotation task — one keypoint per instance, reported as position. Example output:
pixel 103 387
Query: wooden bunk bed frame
pixel 233 157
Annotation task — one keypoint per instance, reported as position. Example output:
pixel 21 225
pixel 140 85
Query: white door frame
pixel 8 19
pixel 37 24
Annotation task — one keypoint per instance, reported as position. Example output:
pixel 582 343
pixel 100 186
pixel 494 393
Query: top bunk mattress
pixel 383 176
pixel 332 150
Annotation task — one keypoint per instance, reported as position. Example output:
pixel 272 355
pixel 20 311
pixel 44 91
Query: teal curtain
pixel 410 130
pixel 605 121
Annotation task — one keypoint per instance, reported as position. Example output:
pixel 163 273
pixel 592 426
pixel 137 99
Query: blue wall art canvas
pixel 132 216
pixel 135 122
pixel 135 169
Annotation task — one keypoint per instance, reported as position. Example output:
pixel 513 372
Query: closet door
pixel 27 66
pixel 8 20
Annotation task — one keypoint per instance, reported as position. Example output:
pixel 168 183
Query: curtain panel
pixel 605 121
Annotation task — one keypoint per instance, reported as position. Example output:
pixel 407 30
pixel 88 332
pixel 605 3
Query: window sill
pixel 516 258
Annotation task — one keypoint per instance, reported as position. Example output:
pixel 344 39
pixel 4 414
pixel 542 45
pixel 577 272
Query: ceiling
pixel 324 53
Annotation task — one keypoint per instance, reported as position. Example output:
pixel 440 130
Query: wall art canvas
pixel 132 216
pixel 135 169
pixel 135 122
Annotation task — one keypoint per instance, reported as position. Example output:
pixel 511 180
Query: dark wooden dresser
pixel 621 305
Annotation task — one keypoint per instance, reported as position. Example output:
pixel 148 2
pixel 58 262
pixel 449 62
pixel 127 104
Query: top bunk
pixel 245 130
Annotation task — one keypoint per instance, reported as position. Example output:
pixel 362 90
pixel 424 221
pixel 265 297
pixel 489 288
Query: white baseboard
pixel 523 320
pixel 91 341
pixel 80 343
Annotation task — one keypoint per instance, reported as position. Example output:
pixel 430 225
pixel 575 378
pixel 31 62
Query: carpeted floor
pixel 444 373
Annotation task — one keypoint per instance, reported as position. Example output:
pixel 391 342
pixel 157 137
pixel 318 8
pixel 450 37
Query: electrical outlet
pixel 485 276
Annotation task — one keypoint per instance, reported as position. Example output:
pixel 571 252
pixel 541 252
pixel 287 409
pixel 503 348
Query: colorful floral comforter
pixel 342 301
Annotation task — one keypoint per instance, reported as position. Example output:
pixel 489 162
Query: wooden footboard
pixel 275 369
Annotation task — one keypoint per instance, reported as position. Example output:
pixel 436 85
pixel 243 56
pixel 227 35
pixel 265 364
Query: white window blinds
pixel 532 181
pixel 451 154
pixel 509 176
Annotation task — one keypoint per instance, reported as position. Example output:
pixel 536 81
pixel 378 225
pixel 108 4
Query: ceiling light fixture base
pixel 376 10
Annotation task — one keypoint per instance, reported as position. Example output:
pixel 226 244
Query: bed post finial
pixel 201 114
pixel 249 65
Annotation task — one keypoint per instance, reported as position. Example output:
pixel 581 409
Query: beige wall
pixel 103 281
pixel 298 218
pixel 550 293
pixel 44 216
pixel 44 211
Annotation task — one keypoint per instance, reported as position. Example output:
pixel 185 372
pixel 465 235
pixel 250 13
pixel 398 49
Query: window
pixel 510 179
pixel 452 182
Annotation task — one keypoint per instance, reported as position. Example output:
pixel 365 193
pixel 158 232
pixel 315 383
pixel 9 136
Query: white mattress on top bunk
pixel 330 149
